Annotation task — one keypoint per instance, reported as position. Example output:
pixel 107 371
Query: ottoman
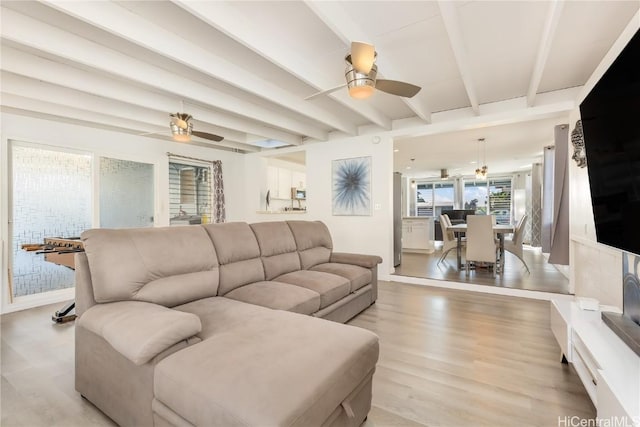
pixel 274 369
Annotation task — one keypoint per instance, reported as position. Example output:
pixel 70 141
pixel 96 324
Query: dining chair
pixel 481 245
pixel 449 240
pixel 514 245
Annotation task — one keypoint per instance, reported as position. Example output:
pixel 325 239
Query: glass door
pixel 50 197
pixel 126 193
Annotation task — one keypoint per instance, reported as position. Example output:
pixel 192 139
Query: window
pixel 475 196
pixel 494 195
pixel 190 195
pixel 434 197
pixel 500 199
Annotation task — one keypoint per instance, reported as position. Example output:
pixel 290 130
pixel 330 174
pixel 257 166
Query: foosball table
pixel 61 251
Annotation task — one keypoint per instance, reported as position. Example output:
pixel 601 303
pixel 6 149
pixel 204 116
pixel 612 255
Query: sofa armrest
pixel 139 330
pixel 367 261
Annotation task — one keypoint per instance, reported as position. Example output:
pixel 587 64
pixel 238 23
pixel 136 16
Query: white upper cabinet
pixel 280 181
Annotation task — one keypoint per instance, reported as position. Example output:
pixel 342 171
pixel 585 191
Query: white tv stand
pixel 608 368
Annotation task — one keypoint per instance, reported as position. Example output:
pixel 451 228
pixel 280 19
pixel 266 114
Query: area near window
pixel 190 192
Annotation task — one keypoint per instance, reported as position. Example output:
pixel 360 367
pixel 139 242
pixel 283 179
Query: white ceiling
pixel 506 148
pixel 243 68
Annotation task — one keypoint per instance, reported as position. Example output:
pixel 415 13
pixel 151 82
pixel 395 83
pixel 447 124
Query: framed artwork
pixel 351 186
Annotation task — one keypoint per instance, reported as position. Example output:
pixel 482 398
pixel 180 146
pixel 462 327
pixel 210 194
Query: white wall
pixel 110 144
pixel 595 269
pixel 361 234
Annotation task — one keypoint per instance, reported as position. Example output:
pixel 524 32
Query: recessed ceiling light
pixel 396 150
pixel 473 162
pixel 408 167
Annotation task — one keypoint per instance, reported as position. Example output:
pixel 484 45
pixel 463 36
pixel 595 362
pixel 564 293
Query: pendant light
pixel 481 172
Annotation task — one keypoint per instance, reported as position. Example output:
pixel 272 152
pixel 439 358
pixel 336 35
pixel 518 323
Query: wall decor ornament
pixel 577 140
pixel 351 186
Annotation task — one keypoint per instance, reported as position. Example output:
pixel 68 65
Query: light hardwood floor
pixel 543 276
pixel 447 358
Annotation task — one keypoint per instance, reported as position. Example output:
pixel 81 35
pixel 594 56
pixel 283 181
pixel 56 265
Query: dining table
pixel 499 229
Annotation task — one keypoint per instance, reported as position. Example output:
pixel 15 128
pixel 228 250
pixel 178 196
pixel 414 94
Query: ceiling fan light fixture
pixel 361 86
pixel 179 133
pixel 361 92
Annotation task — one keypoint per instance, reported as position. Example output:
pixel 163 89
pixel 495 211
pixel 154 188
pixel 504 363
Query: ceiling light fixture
pixel 481 173
pixel 181 134
pixel 361 85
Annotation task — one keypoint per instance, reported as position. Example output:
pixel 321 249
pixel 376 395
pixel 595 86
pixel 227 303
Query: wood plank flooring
pixel 447 358
pixel 543 277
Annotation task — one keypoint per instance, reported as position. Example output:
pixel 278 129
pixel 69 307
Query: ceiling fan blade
pixel 395 87
pixel 362 56
pixel 207 135
pixel 326 91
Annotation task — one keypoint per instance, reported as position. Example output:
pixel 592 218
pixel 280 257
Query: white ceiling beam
pixel 550 104
pixel 44 91
pixel 19 102
pixel 134 28
pixel 452 25
pixel 333 15
pixel 550 26
pixel 30 32
pixel 20 93
pixel 39 68
pixel 225 18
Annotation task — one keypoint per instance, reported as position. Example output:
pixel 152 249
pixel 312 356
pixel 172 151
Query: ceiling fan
pixel 361 75
pixel 182 129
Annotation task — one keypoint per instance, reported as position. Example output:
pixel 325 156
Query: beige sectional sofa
pixel 224 324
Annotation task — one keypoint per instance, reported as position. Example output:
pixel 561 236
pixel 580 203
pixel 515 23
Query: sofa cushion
pixel 272 369
pixel 313 242
pixel 274 238
pixel 239 254
pixel 277 248
pixel 139 330
pixel 331 287
pixel 219 314
pixel 279 296
pixel 358 276
pixel 168 265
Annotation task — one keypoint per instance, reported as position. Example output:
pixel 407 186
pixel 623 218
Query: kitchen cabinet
pixel 272 181
pixel 284 183
pixel 298 180
pixel 417 234
pixel 280 180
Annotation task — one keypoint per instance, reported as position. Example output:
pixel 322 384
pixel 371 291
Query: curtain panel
pixel 219 214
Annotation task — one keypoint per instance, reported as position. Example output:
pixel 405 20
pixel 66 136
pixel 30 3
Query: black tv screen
pixel 611 124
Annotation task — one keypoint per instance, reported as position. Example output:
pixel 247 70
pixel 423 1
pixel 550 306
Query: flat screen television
pixel 611 125
pixel 610 117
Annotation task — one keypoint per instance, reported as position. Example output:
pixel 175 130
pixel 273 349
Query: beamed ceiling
pixel 244 68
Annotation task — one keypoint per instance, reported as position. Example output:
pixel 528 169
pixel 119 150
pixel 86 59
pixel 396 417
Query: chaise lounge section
pixel 224 324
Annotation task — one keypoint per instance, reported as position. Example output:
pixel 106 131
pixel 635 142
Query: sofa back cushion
pixel 313 242
pixel 238 254
pixel 167 266
pixel 277 248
